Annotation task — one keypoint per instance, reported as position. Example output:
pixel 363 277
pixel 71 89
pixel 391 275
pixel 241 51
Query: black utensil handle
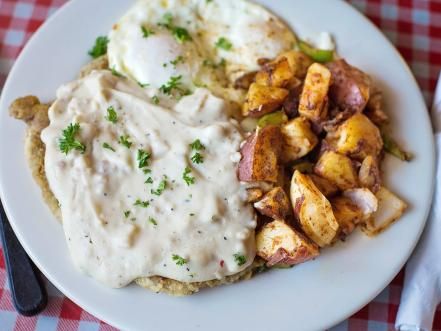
pixel 28 292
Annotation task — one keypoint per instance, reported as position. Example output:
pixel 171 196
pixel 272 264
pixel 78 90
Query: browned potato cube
pixel 262 100
pixel 298 139
pixel 324 185
pixel 350 87
pixel 357 137
pixel 254 194
pixel 347 214
pixel 274 204
pixel 260 155
pixel 313 210
pixel 277 74
pixel 298 61
pixel 314 99
pixel 244 82
pixel 374 108
pixel 338 169
pixel 369 174
pixel 278 243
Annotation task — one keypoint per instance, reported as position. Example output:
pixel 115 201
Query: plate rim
pixel 97 313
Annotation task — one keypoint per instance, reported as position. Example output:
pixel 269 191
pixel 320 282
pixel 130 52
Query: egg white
pixel 252 31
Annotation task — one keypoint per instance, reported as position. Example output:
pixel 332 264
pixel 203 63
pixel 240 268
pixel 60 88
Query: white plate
pixel 312 296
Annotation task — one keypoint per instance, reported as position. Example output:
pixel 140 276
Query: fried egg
pixel 198 43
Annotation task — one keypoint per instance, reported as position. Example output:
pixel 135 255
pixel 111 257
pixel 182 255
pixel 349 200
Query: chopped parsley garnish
pixel 125 141
pixel 140 203
pixel 116 73
pixel 179 260
pixel 173 83
pixel 146 32
pixel 155 99
pixel 153 221
pixel 107 146
pixel 100 47
pixel 212 64
pixel 197 145
pixel 179 59
pixel 197 158
pixel 127 213
pixel 240 259
pixel 149 180
pixel 186 176
pixel 143 85
pixel 146 171
pixel 224 43
pixel 112 116
pixel 167 21
pixel 143 158
pixel 181 34
pixel 68 141
pixel 161 187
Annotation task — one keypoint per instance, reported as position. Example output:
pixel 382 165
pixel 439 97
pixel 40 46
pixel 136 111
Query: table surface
pixel 413 26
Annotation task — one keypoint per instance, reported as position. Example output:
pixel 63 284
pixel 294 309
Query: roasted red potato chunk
pixel 260 154
pixel 298 61
pixel 277 74
pixel 314 98
pixel 262 100
pixel 279 243
pixel 357 137
pixel 298 139
pixel 347 214
pixel 324 185
pixel 274 204
pixel 350 88
pixel 338 169
pixel 313 210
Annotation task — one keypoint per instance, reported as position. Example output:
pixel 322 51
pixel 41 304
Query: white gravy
pixel 189 233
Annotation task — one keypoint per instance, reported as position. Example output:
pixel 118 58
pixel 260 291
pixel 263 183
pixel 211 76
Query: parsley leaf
pixel 179 260
pixel 140 203
pixel 240 259
pixel 161 187
pixel 155 99
pixel 197 158
pixel 107 146
pixel 149 180
pixel 112 116
pixel 186 176
pixel 146 32
pixel 181 34
pixel 143 158
pixel 116 73
pixel 179 59
pixel 127 213
pixel 100 47
pixel 125 141
pixel 173 83
pixel 143 85
pixel 68 141
pixel 153 221
pixel 224 43
pixel 212 64
pixel 197 145
pixel 146 171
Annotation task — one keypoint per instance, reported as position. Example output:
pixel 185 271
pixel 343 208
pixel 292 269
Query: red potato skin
pixel 349 86
pixel 302 254
pixel 260 154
